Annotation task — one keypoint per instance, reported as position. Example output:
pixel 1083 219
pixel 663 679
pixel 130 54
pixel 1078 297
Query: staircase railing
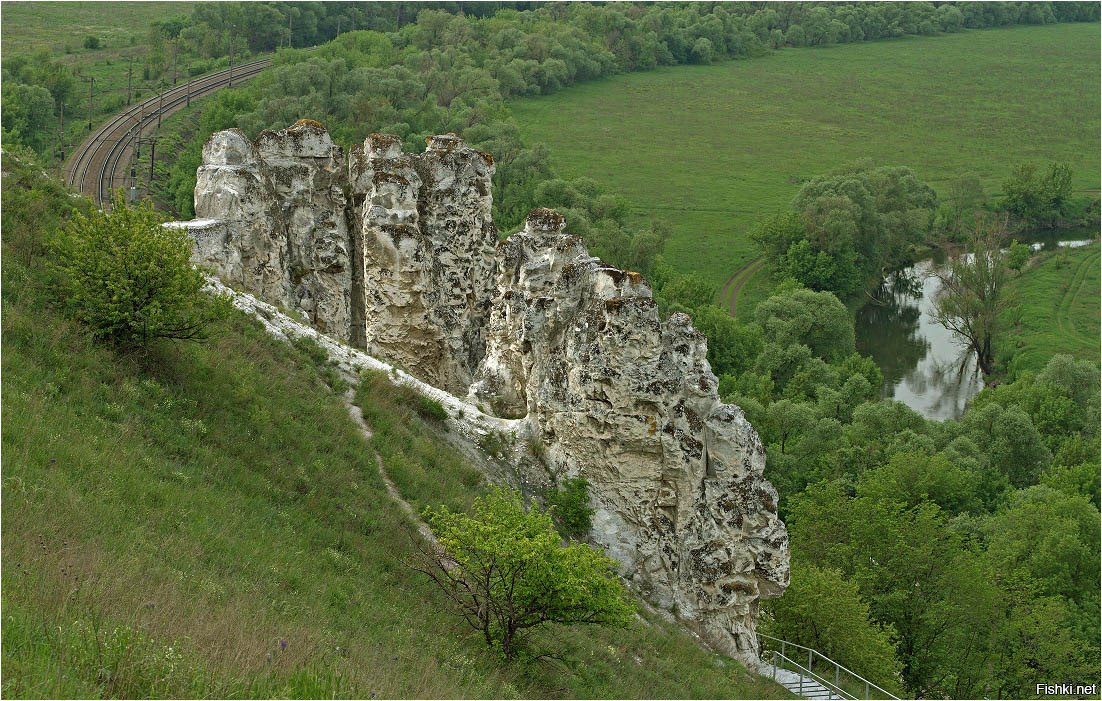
pixel 847 684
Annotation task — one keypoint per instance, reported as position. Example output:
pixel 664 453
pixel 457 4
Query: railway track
pixel 100 163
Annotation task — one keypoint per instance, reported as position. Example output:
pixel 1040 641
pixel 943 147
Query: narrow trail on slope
pixel 357 416
pixel 735 283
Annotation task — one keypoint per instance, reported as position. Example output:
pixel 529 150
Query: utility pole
pixel 91 82
pixel 175 49
pixel 339 18
pixel 233 40
pixel 152 141
pixel 290 44
pixel 189 82
pixel 129 79
pixel 160 103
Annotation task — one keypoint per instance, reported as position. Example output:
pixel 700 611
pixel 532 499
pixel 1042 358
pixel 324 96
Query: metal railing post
pixel 809 652
pixel 866 690
pixel 774 665
pixel 836 670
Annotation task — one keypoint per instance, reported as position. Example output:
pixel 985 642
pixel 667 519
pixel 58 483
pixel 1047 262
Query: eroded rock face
pixel 428 244
pixel 630 403
pixel 533 329
pixel 282 203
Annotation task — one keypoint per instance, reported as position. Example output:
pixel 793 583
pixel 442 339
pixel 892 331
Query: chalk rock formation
pixel 428 250
pixel 534 330
pixel 282 205
pixel 630 403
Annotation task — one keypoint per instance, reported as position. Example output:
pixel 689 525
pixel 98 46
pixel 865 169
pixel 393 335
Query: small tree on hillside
pixel 130 279
pixel 507 570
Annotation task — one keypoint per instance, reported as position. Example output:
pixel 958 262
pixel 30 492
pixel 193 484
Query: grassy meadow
pixel 1056 310
pixel 715 148
pixel 60 27
pixel 206 520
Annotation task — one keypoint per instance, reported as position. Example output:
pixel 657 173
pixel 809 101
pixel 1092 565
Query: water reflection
pixel 923 363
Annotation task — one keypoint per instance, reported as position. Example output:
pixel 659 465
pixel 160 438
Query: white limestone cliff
pixel 533 330
pixel 284 235
pixel 428 244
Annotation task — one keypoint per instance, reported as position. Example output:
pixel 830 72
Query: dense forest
pixel 952 559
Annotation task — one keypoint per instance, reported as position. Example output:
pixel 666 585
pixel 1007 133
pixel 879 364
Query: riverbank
pixel 1057 311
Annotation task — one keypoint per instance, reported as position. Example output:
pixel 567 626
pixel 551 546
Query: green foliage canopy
pixel 824 611
pixel 130 280
pixel 507 570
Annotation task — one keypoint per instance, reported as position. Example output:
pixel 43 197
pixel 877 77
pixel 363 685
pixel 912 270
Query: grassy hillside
pixel 1057 310
pixel 714 148
pixel 207 521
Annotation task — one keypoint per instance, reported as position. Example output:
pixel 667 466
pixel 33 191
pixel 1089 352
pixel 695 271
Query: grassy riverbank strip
pixel 1057 310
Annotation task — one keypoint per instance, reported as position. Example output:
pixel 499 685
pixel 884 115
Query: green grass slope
pixel 715 148
pixel 1057 310
pixel 207 521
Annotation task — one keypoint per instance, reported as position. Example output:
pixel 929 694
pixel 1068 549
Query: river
pixel 923 364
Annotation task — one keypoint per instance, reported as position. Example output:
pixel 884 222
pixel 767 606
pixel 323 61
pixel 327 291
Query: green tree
pixel 1039 199
pixel 569 505
pixel 130 279
pixel 1053 537
pixel 506 569
pixel 822 610
pixel 1012 444
pixel 1018 255
pixel 732 347
pixel 864 220
pixel 974 294
pixel 815 319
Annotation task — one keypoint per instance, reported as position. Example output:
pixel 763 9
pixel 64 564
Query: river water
pixel 923 364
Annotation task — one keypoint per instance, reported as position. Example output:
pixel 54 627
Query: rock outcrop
pixel 283 234
pixel 428 251
pixel 532 329
pixel 630 404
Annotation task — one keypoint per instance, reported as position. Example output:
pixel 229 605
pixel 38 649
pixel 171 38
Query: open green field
pixel 60 27
pixel 715 148
pixel 206 521
pixel 1057 310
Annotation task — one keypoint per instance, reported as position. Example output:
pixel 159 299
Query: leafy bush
pixel 130 280
pixel 430 409
pixel 507 570
pixel 570 507
pixel 92 42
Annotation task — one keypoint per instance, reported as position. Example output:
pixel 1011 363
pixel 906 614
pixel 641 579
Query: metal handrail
pixel 811 652
pixel 830 687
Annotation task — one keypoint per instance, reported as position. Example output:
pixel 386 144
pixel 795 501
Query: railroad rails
pixel 100 163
